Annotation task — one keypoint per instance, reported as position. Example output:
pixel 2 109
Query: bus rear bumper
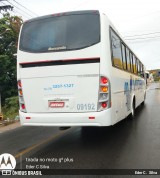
pixel 102 118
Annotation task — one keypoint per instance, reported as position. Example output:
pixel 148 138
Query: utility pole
pixel 5 7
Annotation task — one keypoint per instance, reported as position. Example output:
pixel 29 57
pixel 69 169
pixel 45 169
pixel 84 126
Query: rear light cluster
pixel 104 94
pixel 21 99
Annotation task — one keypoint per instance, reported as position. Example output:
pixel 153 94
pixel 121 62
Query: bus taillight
pixel 104 104
pixel 21 99
pixel 20 92
pixel 19 83
pixel 104 89
pixel 23 106
pixel 104 80
pixel 104 94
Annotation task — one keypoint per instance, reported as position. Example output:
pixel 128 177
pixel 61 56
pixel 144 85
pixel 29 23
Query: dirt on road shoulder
pixel 9 127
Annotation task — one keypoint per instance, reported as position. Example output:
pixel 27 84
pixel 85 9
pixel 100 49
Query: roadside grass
pixel 10 109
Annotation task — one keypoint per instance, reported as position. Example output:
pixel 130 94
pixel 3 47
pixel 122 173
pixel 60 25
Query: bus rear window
pixel 68 32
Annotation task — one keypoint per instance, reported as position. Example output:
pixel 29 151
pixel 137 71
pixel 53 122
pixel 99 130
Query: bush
pixel 11 107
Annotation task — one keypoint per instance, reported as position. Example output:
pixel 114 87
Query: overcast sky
pixel 131 18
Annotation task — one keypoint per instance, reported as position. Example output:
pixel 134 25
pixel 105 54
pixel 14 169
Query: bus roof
pixel 64 14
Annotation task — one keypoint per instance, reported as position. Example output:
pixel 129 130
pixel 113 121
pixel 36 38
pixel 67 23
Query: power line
pixel 19 8
pixel 11 12
pixel 140 17
pixel 142 38
pixel 15 11
pixel 5 7
pixel 25 7
pixel 141 34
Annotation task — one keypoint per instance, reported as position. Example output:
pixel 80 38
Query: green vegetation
pixel 9 30
pixel 10 109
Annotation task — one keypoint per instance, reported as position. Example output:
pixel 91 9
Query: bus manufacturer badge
pixel 53 104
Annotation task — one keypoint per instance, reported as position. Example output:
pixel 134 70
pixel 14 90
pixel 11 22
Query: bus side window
pixel 143 71
pixel 124 57
pixel 116 51
pixel 134 64
pixel 131 61
pixel 137 66
pixel 128 60
pixel 140 71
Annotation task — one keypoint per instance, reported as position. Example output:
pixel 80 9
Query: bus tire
pixel 133 108
pixel 142 104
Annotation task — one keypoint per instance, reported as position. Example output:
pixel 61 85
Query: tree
pixel 9 30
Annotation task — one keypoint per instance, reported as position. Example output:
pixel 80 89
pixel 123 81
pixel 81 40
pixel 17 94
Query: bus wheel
pixel 142 104
pixel 133 109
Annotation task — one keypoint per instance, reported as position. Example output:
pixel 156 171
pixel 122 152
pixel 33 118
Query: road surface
pixel 130 144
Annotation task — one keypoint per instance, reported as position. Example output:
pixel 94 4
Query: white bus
pixel 74 69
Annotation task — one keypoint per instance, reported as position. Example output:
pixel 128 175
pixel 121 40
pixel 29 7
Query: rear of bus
pixel 59 73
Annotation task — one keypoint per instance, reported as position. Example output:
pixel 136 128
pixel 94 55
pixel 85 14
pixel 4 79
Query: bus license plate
pixel 53 104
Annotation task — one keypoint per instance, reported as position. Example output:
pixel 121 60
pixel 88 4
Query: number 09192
pixel 88 106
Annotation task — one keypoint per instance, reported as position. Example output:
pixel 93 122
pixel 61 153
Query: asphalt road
pixel 130 144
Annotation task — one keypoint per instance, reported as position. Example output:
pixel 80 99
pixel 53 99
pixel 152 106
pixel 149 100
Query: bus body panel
pixel 122 97
pixel 90 52
pixel 74 86
pixel 70 119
